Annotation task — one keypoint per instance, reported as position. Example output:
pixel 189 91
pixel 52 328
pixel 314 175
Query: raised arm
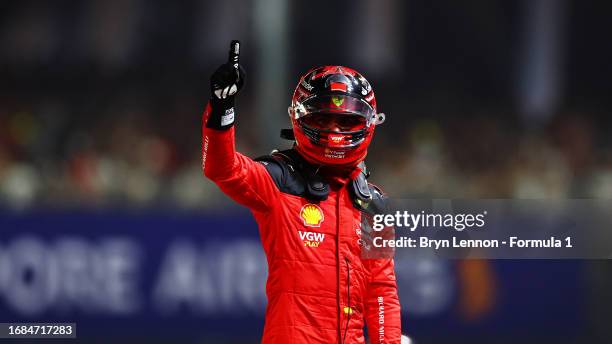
pixel 238 176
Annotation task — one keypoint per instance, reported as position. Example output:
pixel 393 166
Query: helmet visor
pixel 339 122
pixel 334 130
pixel 335 104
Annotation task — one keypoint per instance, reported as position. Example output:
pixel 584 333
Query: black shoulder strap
pixel 367 197
pixel 359 188
pixel 294 176
pixel 379 204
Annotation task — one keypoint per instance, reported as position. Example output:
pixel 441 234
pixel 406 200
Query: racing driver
pixel 308 202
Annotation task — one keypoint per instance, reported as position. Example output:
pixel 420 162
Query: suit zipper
pixel 348 297
pixel 338 265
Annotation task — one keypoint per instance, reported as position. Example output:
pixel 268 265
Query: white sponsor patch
pixel 228 118
pixel 205 152
pixel 381 319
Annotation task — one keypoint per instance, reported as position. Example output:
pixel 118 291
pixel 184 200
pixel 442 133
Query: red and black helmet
pixel 333 114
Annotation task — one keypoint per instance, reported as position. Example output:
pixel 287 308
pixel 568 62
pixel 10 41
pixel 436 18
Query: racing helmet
pixel 333 116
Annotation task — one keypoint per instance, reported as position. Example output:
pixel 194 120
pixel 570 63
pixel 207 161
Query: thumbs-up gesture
pixel 225 83
pixel 229 78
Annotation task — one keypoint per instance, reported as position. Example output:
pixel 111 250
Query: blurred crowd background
pixel 101 101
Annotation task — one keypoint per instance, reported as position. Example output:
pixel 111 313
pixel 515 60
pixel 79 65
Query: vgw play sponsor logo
pixel 311 239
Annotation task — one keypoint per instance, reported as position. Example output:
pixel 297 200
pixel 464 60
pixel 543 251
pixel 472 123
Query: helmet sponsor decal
pixel 301 93
pixel 366 85
pixel 338 86
pixel 336 140
pixel 334 154
pixel 312 215
pixel 307 86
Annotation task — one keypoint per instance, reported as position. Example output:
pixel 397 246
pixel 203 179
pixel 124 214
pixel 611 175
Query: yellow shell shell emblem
pixel 312 215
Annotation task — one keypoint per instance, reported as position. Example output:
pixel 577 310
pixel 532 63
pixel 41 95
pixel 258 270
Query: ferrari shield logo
pixel 337 101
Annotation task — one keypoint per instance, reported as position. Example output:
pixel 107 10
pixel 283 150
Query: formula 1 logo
pixel 312 239
pixel 312 215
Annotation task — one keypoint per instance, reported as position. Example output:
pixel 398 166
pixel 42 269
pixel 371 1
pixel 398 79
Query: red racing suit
pixel 319 288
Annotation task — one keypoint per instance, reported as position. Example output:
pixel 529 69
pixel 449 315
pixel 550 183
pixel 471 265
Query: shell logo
pixel 312 215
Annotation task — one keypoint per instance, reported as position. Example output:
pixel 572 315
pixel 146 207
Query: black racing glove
pixel 225 83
